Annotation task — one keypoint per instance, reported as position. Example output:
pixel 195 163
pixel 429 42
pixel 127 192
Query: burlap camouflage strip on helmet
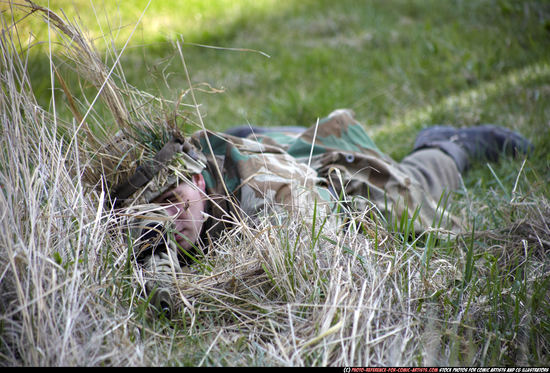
pixel 175 158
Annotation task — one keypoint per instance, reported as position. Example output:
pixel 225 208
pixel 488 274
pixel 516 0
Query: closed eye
pixel 171 198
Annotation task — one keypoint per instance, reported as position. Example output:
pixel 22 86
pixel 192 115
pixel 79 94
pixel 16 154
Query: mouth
pixel 183 240
pixel 180 237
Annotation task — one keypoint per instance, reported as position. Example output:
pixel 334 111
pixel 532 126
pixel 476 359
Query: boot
pixel 480 143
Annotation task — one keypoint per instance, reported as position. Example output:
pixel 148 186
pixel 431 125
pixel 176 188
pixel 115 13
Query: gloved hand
pixel 149 232
pixel 157 255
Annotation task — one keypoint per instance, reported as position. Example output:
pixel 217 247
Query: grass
pixel 296 294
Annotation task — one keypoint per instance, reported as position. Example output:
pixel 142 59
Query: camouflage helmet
pixel 176 161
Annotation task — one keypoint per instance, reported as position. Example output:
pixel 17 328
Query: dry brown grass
pixel 291 293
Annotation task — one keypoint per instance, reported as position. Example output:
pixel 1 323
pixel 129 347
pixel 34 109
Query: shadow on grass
pixel 384 60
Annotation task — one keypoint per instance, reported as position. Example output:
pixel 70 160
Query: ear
pixel 198 180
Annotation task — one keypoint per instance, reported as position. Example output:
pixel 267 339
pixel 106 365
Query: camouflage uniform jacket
pixel 332 161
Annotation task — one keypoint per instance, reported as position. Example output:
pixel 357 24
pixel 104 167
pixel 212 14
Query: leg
pixel 368 177
pixel 465 145
pixel 416 185
pixel 245 131
pixel 436 172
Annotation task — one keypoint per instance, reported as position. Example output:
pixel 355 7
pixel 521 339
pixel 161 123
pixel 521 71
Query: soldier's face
pixel 186 204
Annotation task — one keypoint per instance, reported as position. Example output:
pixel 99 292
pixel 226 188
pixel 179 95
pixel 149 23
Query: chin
pixel 181 241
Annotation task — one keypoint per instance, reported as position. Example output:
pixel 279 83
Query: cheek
pixel 195 213
pixel 192 216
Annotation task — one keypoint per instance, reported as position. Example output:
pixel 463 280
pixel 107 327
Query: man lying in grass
pixel 195 188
